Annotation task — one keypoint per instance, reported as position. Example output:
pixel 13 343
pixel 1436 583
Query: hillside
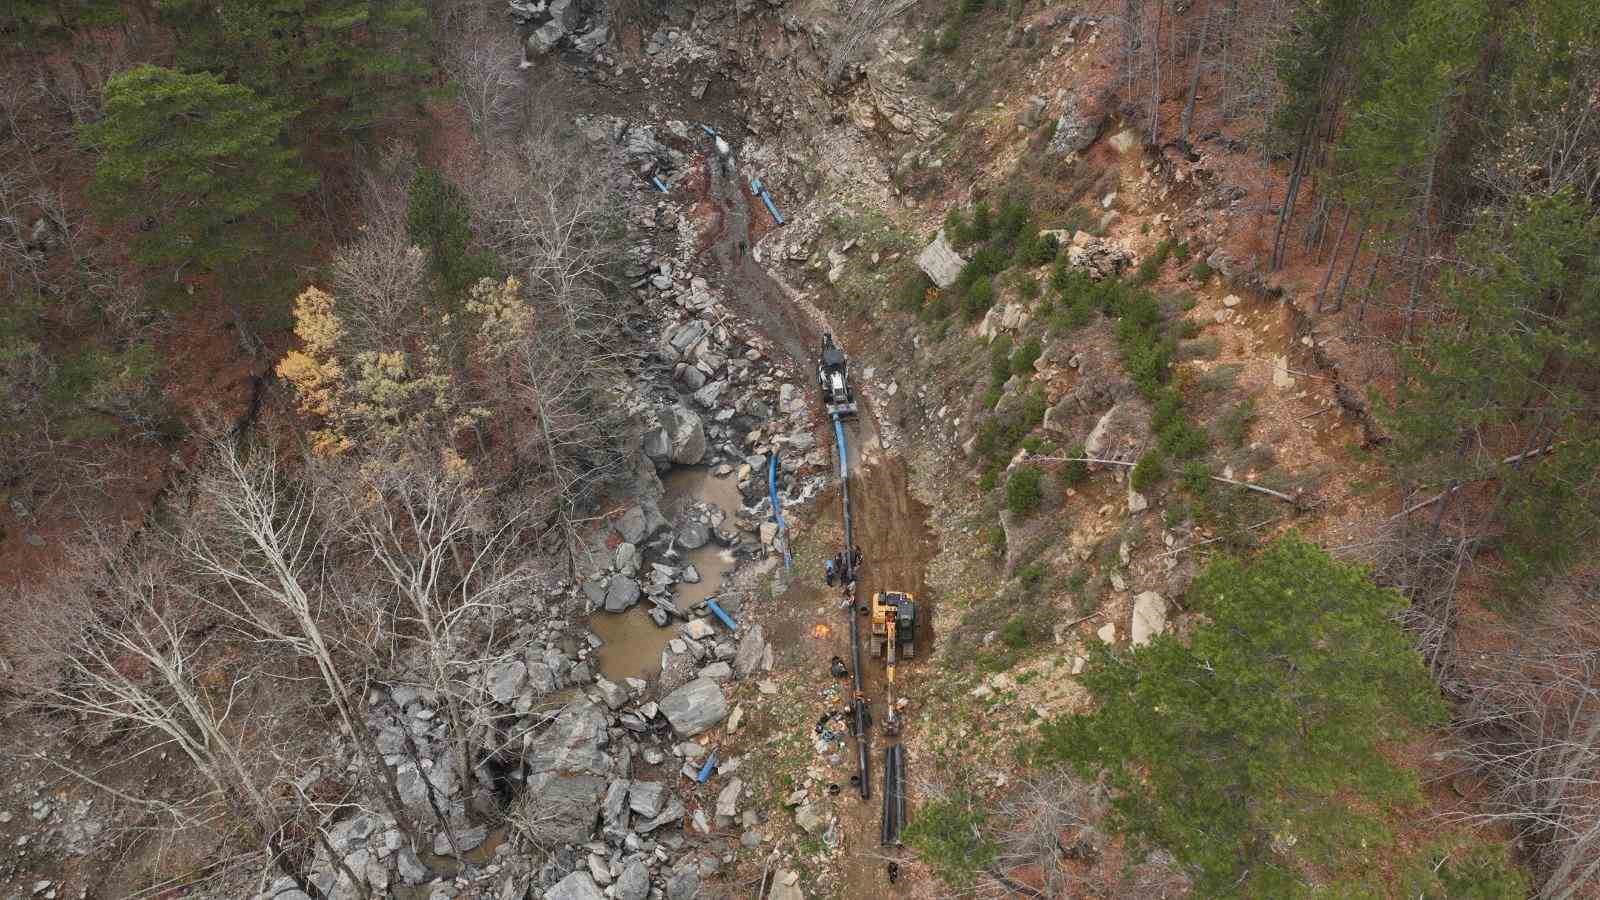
pixel 419 482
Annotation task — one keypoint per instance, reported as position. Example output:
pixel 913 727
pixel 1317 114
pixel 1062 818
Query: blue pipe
pixel 755 185
pixel 719 613
pixel 838 435
pixel 657 182
pixel 705 770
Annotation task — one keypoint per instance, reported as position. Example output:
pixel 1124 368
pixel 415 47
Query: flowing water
pixel 633 642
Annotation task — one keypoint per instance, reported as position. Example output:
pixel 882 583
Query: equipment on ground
pixel 894 634
pixel 833 376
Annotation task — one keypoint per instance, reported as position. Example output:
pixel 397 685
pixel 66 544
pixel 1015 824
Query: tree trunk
pixel 1194 80
pixel 1344 282
pixel 1424 226
pixel 1333 260
pixel 1155 75
pixel 1288 204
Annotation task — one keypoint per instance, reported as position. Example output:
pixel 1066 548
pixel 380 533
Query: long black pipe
pixel 899 790
pixel 858 704
pixel 889 829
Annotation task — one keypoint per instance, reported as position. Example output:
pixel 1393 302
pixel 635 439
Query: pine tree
pixel 202 161
pixel 341 65
pixel 1507 376
pixel 1253 746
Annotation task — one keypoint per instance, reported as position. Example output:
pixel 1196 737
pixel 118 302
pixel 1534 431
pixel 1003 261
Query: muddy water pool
pixel 633 643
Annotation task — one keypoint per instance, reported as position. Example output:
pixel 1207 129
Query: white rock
pixel 1149 618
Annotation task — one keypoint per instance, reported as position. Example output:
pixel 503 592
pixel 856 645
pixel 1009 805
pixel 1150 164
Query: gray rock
pixel 687 433
pixel 751 648
pixel 698 629
pixel 691 376
pixel 660 616
pixel 728 799
pixel 940 261
pixel 414 790
pixel 634 883
pixel 631 525
pixel 645 798
pixel 576 886
pixel 710 395
pixel 571 803
pixel 622 593
pixel 627 558
pixel 808 819
pixel 695 707
pixel 657 445
pixel 680 339
pixel 718 672
pixel 572 743
pixel 786 886
pixel 684 884
pixel 1078 126
pixel 545 38
pixel 506 680
pixel 1223 261
pixel 693 535
pixel 615 802
pixel 613 695
pixel 592 40
pixel 468 838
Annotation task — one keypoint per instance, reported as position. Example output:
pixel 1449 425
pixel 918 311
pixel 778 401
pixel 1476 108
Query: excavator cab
pixel 834 378
pixel 894 626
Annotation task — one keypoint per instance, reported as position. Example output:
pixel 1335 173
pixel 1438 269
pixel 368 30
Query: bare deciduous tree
pixel 1531 723
pixel 255 533
pixel 859 24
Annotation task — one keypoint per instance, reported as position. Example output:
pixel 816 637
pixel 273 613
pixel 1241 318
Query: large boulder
pixel 573 743
pixel 940 262
pixel 569 804
pixel 752 647
pixel 687 433
pixel 621 594
pixel 634 883
pixel 1079 123
pixel 506 680
pixel 577 886
pixel 695 707
pixel 413 786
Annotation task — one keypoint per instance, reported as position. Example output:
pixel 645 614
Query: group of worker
pixel 843 567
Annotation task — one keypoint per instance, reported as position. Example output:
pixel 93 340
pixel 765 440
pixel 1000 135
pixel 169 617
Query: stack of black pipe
pixel 894 794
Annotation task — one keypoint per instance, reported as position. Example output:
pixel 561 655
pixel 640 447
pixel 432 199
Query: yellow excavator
pixel 894 634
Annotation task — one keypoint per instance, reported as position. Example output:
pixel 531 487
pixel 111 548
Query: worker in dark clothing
pixel 894 872
pixel 828 572
pixel 855 560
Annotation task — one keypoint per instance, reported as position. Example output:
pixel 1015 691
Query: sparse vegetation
pixel 1024 491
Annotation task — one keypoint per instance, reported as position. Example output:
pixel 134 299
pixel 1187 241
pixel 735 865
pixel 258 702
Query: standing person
pixel 855 559
pixel 827 572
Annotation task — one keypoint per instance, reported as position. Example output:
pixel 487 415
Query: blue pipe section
pixel 777 508
pixel 761 191
pixel 705 770
pixel 838 435
pixel 721 614
pixel 657 182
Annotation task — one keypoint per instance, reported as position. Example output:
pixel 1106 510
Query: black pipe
pixel 859 704
pixel 889 829
pixel 899 790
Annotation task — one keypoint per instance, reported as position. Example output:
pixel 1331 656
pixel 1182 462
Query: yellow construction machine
pixel 894 634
